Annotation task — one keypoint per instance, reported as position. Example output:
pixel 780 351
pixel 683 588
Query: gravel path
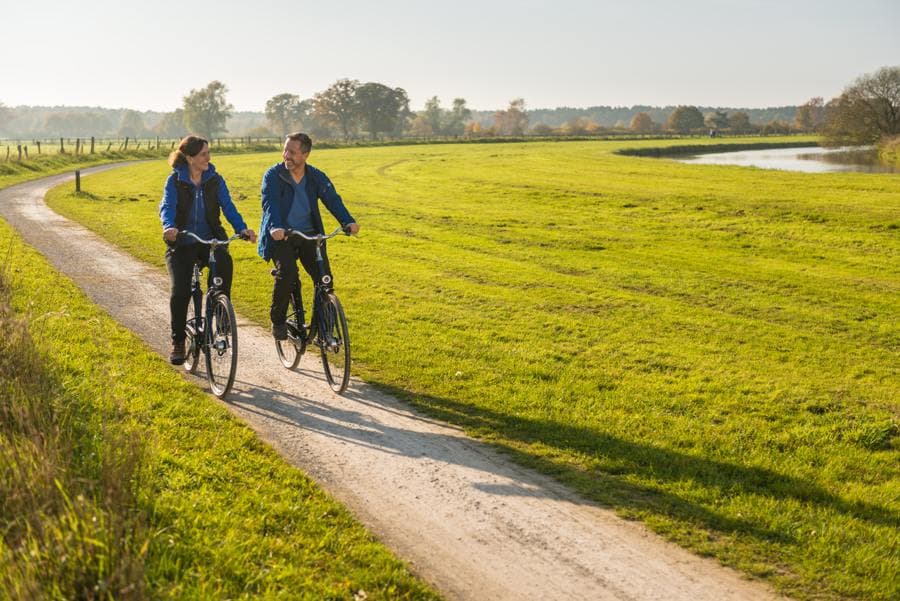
pixel 463 517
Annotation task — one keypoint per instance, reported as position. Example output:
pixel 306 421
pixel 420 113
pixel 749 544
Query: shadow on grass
pixel 645 462
pixel 611 487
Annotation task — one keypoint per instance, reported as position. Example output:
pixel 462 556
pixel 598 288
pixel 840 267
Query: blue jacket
pixel 217 197
pixel 278 194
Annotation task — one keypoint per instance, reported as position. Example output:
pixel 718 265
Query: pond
pixel 812 159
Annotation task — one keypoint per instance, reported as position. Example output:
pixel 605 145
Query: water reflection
pixel 810 159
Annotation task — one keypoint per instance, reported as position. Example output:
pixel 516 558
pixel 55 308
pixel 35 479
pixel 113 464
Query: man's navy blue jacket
pixel 278 194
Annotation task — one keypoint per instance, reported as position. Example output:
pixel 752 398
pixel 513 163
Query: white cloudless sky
pixel 147 55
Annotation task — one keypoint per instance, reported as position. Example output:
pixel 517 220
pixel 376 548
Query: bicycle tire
pixel 222 351
pixel 290 350
pixel 334 343
pixel 191 348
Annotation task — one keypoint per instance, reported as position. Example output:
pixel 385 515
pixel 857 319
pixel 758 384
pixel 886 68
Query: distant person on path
pixel 193 199
pixel 290 194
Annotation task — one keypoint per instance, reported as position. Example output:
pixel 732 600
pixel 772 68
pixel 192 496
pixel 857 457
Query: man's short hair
pixel 304 139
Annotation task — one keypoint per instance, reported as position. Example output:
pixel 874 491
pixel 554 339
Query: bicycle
pixel 327 328
pixel 212 330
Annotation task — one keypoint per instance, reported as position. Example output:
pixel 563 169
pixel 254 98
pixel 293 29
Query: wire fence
pixel 25 149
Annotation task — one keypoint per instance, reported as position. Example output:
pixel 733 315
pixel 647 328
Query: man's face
pixel 293 155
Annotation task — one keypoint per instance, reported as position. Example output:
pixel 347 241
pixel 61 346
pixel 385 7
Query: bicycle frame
pixel 201 320
pixel 323 282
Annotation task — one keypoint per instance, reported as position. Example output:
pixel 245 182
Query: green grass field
pixel 120 480
pixel 711 350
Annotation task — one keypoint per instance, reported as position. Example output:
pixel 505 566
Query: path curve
pixel 463 517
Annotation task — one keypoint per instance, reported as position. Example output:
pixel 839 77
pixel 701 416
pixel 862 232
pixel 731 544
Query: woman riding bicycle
pixel 194 198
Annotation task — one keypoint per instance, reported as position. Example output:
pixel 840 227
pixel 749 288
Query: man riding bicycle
pixel 290 194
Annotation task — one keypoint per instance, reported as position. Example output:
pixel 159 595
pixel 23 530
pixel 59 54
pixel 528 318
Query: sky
pixel 148 55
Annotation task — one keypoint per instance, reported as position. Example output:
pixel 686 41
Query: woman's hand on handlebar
pixel 248 235
pixel 277 233
pixel 352 228
pixel 170 233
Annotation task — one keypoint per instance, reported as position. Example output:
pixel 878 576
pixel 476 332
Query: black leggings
pixel 285 254
pixel 180 261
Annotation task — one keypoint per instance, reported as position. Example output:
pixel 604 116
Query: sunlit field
pixel 710 350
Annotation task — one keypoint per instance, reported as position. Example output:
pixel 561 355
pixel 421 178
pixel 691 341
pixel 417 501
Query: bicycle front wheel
pixel 290 350
pixel 221 354
pixel 192 344
pixel 334 343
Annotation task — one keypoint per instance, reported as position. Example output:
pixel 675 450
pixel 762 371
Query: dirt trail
pixel 465 519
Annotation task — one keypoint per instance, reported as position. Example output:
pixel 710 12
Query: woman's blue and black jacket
pixel 178 197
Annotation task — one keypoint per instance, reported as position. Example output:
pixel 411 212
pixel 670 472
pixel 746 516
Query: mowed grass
pixel 711 350
pixel 121 480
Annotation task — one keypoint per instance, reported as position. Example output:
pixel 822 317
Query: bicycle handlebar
pixel 212 241
pixel 343 228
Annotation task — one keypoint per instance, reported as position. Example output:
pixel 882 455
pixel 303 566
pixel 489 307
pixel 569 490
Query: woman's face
pixel 200 161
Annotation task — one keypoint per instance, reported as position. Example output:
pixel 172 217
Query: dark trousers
pixel 180 261
pixel 285 254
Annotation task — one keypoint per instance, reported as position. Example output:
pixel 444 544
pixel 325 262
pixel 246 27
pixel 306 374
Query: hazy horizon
pixel 578 54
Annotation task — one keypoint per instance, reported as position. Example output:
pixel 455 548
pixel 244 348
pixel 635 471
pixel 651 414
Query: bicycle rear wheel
pixel 334 343
pixel 221 355
pixel 290 350
pixel 192 341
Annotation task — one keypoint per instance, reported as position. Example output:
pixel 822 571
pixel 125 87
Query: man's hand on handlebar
pixel 170 233
pixel 352 229
pixel 277 233
pixel 248 235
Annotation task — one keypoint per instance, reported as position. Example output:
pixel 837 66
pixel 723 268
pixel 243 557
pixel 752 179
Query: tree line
pixel 866 111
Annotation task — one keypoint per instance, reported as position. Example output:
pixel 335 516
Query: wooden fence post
pixel 77 180
pixel 25 148
pixel 62 149
pixel 157 142
pixel 126 142
pixel 7 153
pixel 92 144
pixel 19 147
pixel 77 145
pixel 108 146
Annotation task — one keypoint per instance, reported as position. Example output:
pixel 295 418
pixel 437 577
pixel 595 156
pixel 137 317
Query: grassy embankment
pixel 709 349
pixel 120 480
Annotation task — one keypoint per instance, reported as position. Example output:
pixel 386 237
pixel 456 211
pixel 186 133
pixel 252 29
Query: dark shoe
pixel 279 331
pixel 176 357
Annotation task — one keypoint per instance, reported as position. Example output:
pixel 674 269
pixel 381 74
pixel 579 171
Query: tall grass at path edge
pixel 120 480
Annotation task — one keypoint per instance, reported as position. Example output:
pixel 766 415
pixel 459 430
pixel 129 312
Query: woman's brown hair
pixel 190 146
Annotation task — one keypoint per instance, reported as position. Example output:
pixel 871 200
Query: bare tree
pixel 867 110
pixel 810 116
